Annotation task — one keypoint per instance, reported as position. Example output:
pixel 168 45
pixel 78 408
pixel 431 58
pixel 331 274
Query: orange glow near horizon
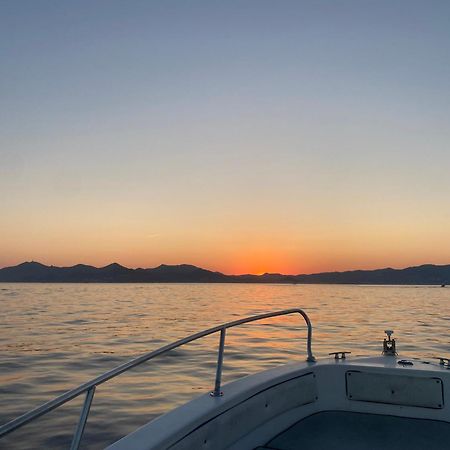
pixel 260 261
pixel 232 261
pixel 226 243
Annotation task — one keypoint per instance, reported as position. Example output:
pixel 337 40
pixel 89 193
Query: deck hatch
pixel 395 389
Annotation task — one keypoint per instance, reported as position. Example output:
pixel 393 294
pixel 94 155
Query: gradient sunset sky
pixel 250 136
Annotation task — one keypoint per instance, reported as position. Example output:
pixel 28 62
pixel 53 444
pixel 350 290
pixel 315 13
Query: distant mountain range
pixel 28 272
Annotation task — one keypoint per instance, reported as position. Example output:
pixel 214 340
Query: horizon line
pixel 227 274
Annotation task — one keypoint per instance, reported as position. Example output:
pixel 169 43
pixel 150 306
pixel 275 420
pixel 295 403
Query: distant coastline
pixel 34 272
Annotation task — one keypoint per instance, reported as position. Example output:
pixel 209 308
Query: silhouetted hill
pixel 185 273
pixel 112 273
pixel 425 274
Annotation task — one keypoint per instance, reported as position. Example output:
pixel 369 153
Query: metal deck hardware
pixel 339 355
pixel 405 362
pixel 89 387
pixel 389 344
pixel 444 361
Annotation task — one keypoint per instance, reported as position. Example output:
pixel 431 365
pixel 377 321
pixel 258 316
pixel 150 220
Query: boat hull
pixel 256 409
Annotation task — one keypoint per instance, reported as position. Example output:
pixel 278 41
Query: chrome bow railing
pixel 89 387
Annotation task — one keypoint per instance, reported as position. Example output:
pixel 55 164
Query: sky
pixel 245 137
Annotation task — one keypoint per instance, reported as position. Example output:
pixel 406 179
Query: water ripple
pixel 58 336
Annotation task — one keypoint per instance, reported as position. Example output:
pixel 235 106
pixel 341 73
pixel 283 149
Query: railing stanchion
pixel 217 392
pixel 83 418
pixel 310 357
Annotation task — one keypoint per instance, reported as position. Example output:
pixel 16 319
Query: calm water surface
pixel 55 336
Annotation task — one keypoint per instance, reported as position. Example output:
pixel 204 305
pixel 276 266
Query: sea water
pixel 56 336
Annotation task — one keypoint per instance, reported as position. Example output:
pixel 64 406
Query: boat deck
pixel 336 430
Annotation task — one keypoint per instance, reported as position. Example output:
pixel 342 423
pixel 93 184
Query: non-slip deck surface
pixel 338 430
